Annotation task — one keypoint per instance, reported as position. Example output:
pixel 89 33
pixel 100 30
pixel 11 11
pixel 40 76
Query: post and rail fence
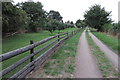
pixel 34 63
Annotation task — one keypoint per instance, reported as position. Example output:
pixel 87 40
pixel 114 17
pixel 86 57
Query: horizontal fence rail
pixel 34 63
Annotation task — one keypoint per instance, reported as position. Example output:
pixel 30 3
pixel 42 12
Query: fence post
pixel 58 36
pixel 67 34
pixel 72 33
pixel 31 51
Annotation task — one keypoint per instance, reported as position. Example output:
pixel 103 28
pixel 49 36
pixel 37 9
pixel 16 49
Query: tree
pixel 61 26
pixel 96 17
pixel 68 22
pixel 80 23
pixel 54 21
pixel 55 15
pixel 36 13
pixel 13 18
pixel 51 25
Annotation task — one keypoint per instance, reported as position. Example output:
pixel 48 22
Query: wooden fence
pixel 34 63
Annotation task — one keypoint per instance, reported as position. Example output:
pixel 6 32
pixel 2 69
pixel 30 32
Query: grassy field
pixel 111 41
pixel 21 40
pixel 62 63
pixel 102 61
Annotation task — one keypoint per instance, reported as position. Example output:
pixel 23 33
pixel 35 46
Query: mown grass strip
pixel 104 65
pixel 62 63
pixel 112 42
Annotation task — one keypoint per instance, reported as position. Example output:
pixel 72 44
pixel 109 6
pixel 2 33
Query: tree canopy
pixel 80 23
pixel 96 17
pixel 55 15
pixel 30 17
pixel 13 18
pixel 54 21
pixel 36 14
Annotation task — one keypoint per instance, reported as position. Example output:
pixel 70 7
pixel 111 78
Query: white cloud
pixel 74 9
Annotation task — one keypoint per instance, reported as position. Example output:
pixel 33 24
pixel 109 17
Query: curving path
pixel 86 66
pixel 113 57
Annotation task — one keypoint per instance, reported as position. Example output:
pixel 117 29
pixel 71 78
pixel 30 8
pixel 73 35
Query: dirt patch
pixel 53 69
pixel 66 51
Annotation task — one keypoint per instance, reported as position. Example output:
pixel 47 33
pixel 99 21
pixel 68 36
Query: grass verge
pixel 104 65
pixel 62 63
pixel 112 42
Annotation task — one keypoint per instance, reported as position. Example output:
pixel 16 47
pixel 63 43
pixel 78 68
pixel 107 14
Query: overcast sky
pixel 74 9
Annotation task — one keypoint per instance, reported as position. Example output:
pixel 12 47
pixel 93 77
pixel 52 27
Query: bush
pixel 115 28
pixel 106 27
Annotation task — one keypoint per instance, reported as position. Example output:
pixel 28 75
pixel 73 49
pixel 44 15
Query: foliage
pixel 112 28
pixel 61 26
pixel 80 23
pixel 54 15
pixel 96 17
pixel 69 24
pixel 55 22
pixel 36 13
pixel 115 28
pixel 30 17
pixel 106 27
pixel 53 25
pixel 13 18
